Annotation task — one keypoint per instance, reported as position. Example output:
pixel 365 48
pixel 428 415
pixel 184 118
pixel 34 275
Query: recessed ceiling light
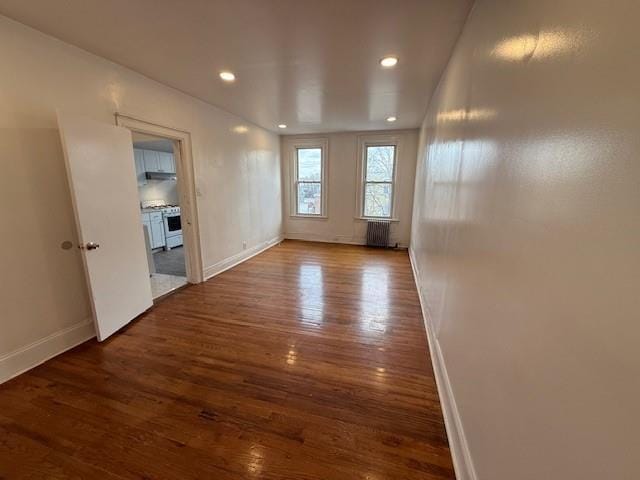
pixel 227 76
pixel 391 119
pixel 240 129
pixel 282 125
pixel 388 62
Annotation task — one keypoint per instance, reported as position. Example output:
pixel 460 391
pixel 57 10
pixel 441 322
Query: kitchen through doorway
pixel 160 211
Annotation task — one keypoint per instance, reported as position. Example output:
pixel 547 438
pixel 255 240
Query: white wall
pixel 341 226
pixel 43 296
pixel 526 235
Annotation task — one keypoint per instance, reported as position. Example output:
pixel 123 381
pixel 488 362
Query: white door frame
pixel 186 188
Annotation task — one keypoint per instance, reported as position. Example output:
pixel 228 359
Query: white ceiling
pixel 312 64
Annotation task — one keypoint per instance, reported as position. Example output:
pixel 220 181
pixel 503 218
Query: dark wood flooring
pixel 309 361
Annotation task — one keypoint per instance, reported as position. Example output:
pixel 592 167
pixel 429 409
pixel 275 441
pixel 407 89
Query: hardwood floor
pixel 308 361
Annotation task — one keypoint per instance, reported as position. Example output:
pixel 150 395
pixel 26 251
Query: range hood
pixel 160 176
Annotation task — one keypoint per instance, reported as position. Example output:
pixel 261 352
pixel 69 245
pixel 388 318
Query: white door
pixel 102 179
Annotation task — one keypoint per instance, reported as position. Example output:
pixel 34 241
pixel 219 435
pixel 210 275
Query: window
pixel 309 181
pixel 378 180
pixel 308 186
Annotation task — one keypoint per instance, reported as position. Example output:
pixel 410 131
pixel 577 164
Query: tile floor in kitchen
pixel 161 284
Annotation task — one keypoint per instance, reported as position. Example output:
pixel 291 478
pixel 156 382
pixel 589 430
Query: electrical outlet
pixel 244 245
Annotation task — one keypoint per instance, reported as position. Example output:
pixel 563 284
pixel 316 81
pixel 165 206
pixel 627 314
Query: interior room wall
pixel 341 226
pixel 44 300
pixel 526 234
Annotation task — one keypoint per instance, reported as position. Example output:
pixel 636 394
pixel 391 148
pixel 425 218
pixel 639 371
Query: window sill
pixel 318 217
pixel 364 219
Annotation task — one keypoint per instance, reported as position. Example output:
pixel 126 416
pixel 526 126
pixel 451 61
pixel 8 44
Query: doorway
pixel 157 180
pixel 166 191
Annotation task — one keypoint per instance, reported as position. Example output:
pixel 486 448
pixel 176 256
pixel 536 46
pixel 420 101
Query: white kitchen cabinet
pixel 166 162
pixel 151 160
pixel 162 162
pixel 141 176
pixel 155 226
pixel 146 220
pixel 157 230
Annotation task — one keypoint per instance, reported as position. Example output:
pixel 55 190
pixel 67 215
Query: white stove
pixel 171 219
pixel 172 227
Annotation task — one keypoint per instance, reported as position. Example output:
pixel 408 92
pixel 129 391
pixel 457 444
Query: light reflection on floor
pixel 311 294
pixel 292 355
pixel 374 294
pixel 256 460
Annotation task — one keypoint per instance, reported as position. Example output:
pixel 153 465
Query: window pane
pixel 309 198
pixel 380 163
pixel 310 164
pixel 377 199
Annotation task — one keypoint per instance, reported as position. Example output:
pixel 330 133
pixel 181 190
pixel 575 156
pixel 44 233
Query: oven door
pixel 172 225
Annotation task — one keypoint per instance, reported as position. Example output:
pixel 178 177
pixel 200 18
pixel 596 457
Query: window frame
pixel 302 144
pixel 376 141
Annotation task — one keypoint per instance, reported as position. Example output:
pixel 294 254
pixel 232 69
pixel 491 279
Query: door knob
pixel 90 246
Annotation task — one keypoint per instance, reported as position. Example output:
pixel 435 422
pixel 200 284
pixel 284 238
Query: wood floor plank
pixel 307 362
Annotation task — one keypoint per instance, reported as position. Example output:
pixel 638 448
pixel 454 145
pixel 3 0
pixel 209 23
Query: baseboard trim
pixel 310 237
pixel 341 239
pixel 460 453
pixel 25 358
pixel 227 263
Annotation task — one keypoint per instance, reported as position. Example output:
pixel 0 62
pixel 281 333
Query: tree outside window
pixel 309 181
pixel 378 180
